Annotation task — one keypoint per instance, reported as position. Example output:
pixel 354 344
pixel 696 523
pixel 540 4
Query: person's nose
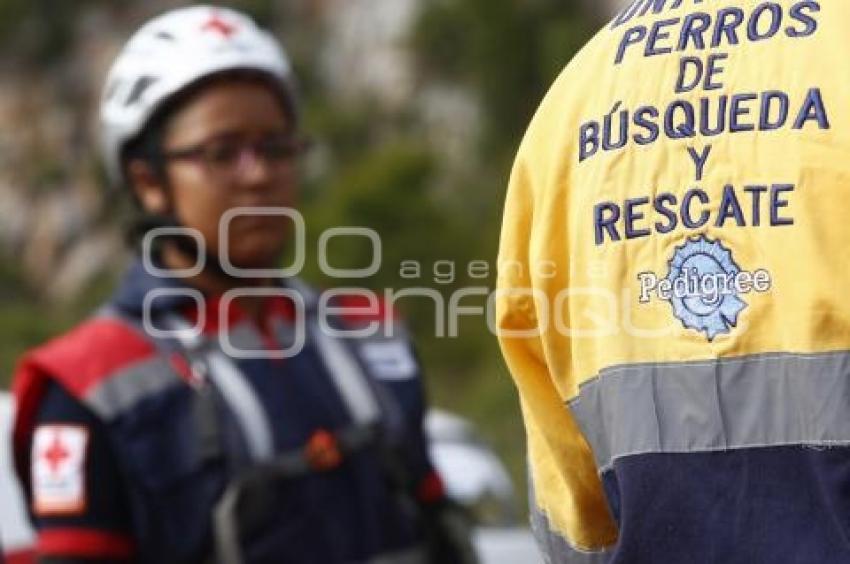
pixel 252 170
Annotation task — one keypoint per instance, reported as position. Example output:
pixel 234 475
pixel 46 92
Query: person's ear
pixel 148 187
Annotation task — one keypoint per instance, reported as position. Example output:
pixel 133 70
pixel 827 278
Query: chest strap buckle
pixel 322 451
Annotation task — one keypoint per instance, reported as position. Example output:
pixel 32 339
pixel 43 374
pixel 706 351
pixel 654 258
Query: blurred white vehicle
pixel 476 479
pixel 17 538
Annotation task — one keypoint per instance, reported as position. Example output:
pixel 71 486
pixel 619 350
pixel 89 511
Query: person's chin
pixel 266 258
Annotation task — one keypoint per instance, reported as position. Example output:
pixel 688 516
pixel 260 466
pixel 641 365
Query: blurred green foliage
pixel 378 171
pixel 39 31
pixel 507 51
pixel 27 320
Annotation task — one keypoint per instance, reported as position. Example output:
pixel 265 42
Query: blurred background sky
pixel 417 108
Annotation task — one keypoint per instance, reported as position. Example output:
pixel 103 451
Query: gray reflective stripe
pixel 347 376
pixel 243 402
pixel 225 526
pixel 553 546
pixel 235 389
pixel 310 296
pixel 555 549
pixel 286 333
pixel 131 385
pixel 244 338
pixel 748 402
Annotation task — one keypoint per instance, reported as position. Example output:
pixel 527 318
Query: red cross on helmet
pixel 219 25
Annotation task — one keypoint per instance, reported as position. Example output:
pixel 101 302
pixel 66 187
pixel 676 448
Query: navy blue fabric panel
pixel 107 508
pixel 300 398
pixel 135 285
pixel 172 487
pixel 297 395
pixel 149 476
pixel 788 505
pixel 344 515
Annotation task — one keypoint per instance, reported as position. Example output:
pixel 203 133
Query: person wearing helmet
pixel 175 425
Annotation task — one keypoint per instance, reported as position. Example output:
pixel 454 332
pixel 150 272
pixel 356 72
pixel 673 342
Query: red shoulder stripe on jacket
pixel 82 358
pixel 85 543
pixel 78 361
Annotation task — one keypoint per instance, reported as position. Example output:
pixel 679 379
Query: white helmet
pixel 172 52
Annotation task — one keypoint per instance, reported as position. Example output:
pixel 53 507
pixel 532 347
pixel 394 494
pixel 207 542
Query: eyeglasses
pixel 229 157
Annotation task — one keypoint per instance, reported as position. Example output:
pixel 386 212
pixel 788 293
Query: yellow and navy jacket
pixel 673 288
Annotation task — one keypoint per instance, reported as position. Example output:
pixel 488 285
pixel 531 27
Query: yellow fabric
pixel 550 240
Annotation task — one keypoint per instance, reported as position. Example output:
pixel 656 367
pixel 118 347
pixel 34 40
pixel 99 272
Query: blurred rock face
pixel 371 38
pixel 51 202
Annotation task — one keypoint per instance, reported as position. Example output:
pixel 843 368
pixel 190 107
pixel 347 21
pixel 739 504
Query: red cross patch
pixel 217 25
pixel 58 469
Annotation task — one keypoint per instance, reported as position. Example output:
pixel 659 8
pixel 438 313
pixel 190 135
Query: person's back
pixel 672 276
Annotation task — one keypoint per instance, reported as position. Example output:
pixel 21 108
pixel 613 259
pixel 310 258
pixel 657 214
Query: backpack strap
pixel 234 387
